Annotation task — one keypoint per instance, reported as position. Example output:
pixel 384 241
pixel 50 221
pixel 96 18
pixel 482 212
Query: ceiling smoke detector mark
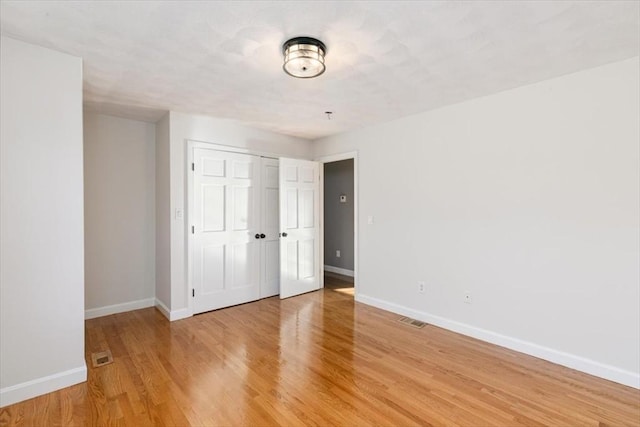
pixel 101 358
pixel 328 113
pixel 412 322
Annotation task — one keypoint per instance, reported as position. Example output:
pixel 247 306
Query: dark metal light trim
pixel 304 57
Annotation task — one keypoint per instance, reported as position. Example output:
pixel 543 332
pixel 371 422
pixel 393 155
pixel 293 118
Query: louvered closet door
pixel 226 252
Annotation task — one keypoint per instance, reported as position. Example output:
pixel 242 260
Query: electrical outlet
pixel 468 298
pixel 422 287
pixel 337 254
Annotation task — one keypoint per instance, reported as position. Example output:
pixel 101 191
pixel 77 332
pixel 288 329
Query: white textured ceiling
pixel 385 59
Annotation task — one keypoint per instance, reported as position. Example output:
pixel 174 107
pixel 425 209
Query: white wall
pixel 163 216
pixel 119 200
pixel 41 199
pixel 202 128
pixel 527 199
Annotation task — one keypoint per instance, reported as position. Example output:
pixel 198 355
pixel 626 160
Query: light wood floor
pixel 317 359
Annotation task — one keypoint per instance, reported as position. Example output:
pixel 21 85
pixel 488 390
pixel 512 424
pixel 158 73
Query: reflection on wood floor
pixel 315 359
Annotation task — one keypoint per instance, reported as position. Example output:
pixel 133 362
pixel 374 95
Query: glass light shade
pixel 304 57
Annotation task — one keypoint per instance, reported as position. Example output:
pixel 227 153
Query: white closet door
pixel 226 252
pixel 299 227
pixel 270 268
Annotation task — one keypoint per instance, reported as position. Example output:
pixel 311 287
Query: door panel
pixel 213 167
pixel 226 216
pixel 307 173
pixel 213 202
pixel 271 208
pixel 291 259
pixel 242 209
pixel 242 169
pixel 299 249
pixel 307 208
pixel 270 269
pixel 306 259
pixel 291 173
pixel 291 202
pixel 245 257
pixel 213 268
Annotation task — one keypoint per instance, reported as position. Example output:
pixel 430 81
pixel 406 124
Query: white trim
pixel 188 204
pixel 163 309
pixel 194 143
pixel 579 363
pixel 173 315
pixel 321 216
pixel 335 158
pixel 183 313
pixel 338 270
pixel 39 386
pixel 107 310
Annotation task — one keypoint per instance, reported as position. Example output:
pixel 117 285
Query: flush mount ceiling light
pixel 304 57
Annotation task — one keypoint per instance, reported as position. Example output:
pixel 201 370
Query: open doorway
pixel 339 225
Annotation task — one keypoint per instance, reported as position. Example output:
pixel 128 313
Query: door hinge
pixel 193 229
pixel 193 166
pixel 193 293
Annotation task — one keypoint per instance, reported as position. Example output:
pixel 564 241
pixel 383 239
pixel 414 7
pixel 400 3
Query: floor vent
pixel 412 322
pixel 101 358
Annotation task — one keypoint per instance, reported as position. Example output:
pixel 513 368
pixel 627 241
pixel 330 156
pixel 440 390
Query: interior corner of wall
pixel 163 308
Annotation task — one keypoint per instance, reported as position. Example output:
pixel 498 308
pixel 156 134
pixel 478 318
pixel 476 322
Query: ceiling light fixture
pixel 304 57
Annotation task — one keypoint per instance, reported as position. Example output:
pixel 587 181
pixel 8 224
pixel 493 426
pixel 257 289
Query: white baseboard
pixel 92 313
pixel 180 314
pixel 572 361
pixel 172 315
pixel 338 270
pixel 30 389
pixel 163 309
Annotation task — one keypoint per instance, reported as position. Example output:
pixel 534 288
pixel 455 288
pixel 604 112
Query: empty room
pixel 329 213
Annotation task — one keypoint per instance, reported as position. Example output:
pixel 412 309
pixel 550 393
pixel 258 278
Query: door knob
pixel 262 236
pixel 284 234
pixel 257 236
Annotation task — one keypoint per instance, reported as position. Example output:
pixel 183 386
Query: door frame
pixel 188 205
pixel 330 159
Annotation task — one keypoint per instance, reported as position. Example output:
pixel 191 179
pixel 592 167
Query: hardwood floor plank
pixel 317 359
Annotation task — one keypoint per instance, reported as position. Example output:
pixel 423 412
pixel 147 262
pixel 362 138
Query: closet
pixel 253 220
pixel 235 242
